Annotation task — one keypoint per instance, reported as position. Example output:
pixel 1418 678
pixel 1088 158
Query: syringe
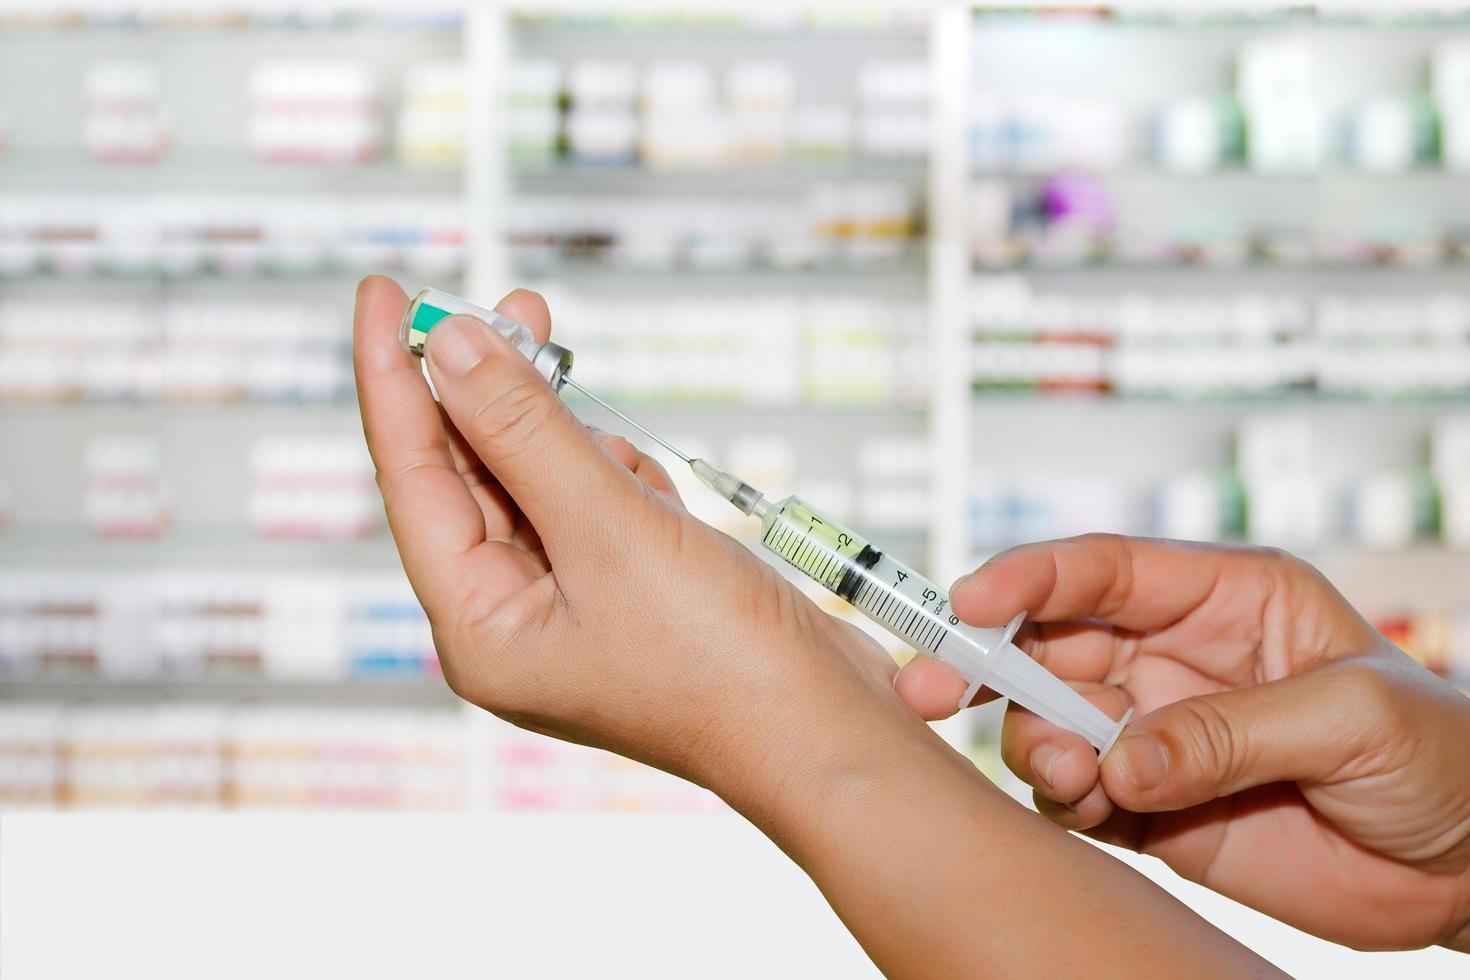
pixel 910 607
pixel 890 593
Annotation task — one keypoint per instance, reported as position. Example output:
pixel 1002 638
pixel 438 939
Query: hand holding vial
pixel 558 569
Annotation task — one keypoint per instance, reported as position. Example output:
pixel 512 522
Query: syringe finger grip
pixel 978 681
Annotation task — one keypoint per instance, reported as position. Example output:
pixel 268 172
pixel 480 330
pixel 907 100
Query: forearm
pixel 939 874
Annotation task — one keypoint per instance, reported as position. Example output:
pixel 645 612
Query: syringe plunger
pixel 1010 672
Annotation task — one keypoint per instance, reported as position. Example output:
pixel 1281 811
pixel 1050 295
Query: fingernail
pixel 1043 760
pixel 1143 761
pixel 455 345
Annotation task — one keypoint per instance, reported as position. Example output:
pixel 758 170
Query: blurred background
pixel 964 276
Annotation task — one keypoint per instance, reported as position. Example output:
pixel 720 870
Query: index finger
pixel 1132 583
pixel 432 513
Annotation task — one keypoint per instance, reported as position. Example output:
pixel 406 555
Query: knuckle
pixel 1271 554
pixel 1363 688
pixel 1102 539
pixel 1123 583
pixel 654 474
pixel 390 480
pixel 1103 544
pixel 1288 575
pixel 1282 562
pixel 411 461
pixel 393 481
pixel 513 417
pixel 624 451
pixel 1207 741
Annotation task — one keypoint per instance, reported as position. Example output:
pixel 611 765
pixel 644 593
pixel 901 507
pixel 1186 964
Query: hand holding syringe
pixel 909 606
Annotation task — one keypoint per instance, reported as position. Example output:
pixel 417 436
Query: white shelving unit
pixel 949 245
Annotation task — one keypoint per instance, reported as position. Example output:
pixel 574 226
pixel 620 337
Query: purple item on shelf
pixel 1081 198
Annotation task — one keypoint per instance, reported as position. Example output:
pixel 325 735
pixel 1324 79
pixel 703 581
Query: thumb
pixel 547 461
pixel 1308 727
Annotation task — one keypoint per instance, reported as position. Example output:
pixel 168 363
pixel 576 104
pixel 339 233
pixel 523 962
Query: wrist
pixel 845 758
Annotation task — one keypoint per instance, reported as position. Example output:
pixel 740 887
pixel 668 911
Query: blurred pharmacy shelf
pixel 214 170
pixel 775 176
pixel 83 690
pixel 188 619
pixel 601 26
pixel 225 545
pixel 940 268
pixel 903 276
pixel 1260 271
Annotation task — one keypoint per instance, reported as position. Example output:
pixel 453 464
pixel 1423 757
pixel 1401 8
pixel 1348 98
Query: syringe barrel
pixel 889 592
pixel 917 611
pixel 432 305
